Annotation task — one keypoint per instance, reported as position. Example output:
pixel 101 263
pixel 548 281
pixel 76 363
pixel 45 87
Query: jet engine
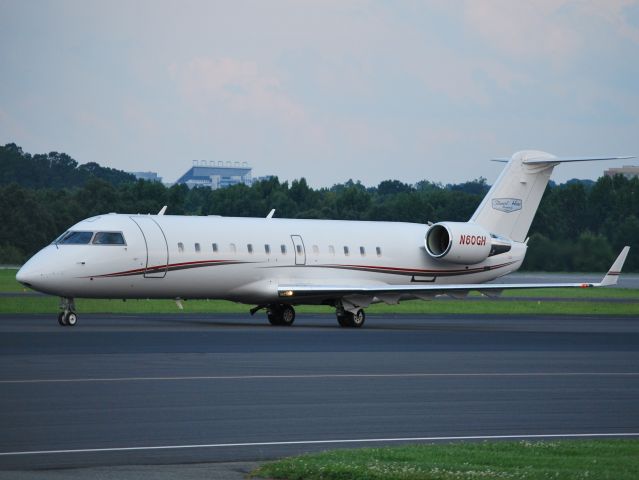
pixel 463 242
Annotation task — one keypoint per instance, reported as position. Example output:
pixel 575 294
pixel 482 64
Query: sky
pixel 326 90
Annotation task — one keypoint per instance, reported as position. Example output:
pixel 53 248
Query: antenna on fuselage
pixel 271 213
pixel 161 212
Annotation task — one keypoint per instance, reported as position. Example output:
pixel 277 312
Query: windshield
pixel 108 238
pixel 74 238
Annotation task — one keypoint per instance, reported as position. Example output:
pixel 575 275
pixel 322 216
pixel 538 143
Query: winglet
pixel 612 276
pixel 161 212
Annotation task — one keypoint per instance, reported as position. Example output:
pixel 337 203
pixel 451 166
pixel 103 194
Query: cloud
pixel 524 28
pixel 556 29
pixel 616 13
pixel 238 85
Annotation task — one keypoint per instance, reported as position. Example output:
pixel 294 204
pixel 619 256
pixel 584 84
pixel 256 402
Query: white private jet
pixel 279 263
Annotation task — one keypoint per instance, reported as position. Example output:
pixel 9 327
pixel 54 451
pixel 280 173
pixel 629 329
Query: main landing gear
pixel 280 314
pixel 347 319
pixel 67 317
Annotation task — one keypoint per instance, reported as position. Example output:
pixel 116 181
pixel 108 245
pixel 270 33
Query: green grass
pixel 31 304
pixel 608 292
pixel 8 281
pixel 45 304
pixel 565 460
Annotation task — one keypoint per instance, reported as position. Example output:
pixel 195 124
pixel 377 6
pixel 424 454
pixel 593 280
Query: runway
pixel 173 389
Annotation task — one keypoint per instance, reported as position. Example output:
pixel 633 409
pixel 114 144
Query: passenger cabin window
pixel 232 248
pixel 180 247
pixel 108 238
pixel 283 249
pixel 267 249
pixel 379 251
pixel 75 238
pixel 299 249
pixel 249 247
pixel 214 247
pixel 346 251
pixel 331 249
pixel 197 247
pixel 362 251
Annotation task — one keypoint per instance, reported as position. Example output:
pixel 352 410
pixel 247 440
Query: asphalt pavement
pixel 195 396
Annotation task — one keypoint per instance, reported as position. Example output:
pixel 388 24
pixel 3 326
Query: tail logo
pixel 507 205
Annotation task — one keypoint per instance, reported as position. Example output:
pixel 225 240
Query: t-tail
pixel 510 206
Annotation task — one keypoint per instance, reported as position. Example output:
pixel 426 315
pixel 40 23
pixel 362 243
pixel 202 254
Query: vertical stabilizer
pixel 510 206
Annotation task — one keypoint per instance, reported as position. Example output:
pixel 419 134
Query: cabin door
pixel 300 251
pixel 157 249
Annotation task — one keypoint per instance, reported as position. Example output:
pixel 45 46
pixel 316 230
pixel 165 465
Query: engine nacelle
pixel 461 242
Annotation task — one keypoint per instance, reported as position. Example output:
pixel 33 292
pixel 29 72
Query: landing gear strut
pixel 281 314
pixel 67 316
pixel 348 319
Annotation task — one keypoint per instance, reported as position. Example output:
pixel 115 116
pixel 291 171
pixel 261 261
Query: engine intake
pixel 462 242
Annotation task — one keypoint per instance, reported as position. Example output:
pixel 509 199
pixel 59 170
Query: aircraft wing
pixel 363 294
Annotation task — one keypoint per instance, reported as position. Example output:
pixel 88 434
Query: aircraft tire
pixel 287 316
pixel 358 318
pixel 352 320
pixel 71 319
pixel 281 315
pixel 61 319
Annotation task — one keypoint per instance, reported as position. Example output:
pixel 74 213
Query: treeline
pixel 52 170
pixel 579 226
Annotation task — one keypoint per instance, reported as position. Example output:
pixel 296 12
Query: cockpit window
pixel 75 238
pixel 108 238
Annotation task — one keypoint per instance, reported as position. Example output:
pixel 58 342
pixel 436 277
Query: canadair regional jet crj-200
pixel 276 264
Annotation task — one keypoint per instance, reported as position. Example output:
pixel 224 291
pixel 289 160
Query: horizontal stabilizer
pixel 545 160
pixel 553 159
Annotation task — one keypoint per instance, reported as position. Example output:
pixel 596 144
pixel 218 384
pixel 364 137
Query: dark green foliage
pixel 579 226
pixel 52 170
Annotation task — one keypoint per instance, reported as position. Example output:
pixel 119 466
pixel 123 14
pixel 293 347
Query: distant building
pixel 151 176
pixel 216 175
pixel 628 171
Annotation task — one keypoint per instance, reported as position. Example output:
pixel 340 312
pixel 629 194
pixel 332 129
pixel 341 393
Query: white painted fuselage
pixel 246 259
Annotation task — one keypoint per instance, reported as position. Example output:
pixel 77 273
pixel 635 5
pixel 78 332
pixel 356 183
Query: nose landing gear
pixel 67 317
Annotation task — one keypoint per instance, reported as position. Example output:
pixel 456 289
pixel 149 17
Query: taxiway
pixel 174 389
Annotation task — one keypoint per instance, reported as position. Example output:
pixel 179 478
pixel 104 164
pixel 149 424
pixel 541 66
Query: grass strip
pixel 8 281
pixel 45 304
pixel 565 459
pixel 9 284
pixel 31 304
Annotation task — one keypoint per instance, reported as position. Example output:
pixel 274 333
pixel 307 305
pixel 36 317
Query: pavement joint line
pixel 320 442
pixel 319 376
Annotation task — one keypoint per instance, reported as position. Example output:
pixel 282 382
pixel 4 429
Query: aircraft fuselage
pixel 244 259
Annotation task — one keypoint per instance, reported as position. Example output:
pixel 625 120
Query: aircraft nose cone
pixel 25 277
pixel 44 272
